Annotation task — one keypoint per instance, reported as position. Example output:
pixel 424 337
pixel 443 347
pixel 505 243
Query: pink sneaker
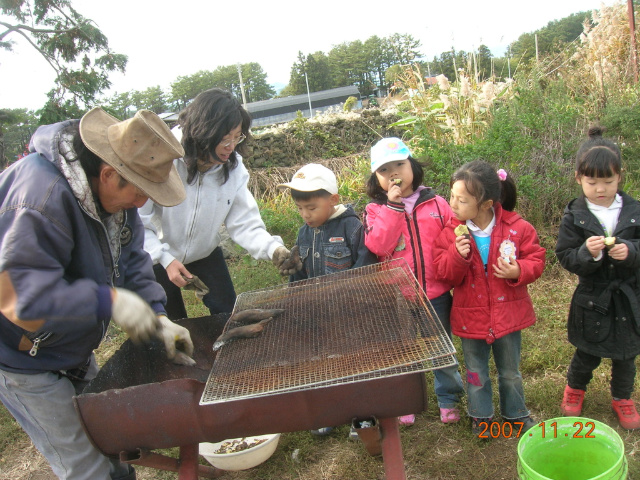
pixel 407 420
pixel 449 415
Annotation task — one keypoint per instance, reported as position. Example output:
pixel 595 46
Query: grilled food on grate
pixel 252 315
pixel 247 331
pixel 362 324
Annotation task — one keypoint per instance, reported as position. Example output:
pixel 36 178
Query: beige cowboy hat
pixel 141 149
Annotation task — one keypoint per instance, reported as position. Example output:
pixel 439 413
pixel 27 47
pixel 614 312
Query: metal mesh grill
pixel 365 323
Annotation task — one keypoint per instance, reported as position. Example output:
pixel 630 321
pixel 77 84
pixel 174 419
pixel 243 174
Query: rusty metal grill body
pixel 366 323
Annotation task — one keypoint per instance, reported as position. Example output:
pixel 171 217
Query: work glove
pixel 135 316
pixel 174 337
pixel 194 283
pixel 287 262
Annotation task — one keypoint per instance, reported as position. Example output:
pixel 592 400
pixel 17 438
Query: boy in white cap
pixel 331 239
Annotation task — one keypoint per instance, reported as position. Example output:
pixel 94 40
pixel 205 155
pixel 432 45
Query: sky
pixel 167 39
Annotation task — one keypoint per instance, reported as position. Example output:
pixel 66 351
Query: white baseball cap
pixel 388 150
pixel 312 177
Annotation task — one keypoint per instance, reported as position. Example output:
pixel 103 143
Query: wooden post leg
pixel 188 462
pixel 392 449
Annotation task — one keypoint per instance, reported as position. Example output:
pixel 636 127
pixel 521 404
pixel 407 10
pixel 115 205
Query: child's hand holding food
pixel 595 245
pixel 463 240
pixel 395 191
pixel 617 250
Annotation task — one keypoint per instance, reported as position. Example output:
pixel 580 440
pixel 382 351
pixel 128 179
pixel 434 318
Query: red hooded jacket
pixel 484 306
pixel 390 233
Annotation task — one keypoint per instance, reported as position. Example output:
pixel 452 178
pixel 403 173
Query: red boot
pixel 627 414
pixel 572 402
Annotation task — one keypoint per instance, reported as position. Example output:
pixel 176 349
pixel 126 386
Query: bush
pixel 349 104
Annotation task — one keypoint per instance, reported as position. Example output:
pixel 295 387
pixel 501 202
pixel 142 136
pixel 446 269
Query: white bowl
pixel 243 459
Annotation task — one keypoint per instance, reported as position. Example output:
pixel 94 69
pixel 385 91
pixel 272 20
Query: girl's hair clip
pixel 502 174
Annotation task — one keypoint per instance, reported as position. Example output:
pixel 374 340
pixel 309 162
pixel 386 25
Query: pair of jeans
pixel 506 354
pixel 42 404
pixel 623 373
pixel 447 381
pixel 213 271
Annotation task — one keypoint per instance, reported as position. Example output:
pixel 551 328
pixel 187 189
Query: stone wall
pixel 326 136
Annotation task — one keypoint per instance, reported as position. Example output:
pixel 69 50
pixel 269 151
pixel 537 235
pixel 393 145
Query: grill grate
pixel 369 322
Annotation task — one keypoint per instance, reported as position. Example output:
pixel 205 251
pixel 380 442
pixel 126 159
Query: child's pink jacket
pixel 391 233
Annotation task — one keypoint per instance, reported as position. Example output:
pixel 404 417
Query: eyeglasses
pixel 236 141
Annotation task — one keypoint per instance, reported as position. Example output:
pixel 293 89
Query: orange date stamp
pixel 514 430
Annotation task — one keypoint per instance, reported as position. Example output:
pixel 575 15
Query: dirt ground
pixel 23 462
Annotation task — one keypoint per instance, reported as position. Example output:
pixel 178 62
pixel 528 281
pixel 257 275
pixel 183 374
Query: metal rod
pixel 308 95
pixel 244 99
pixel 392 449
pixel 188 462
pixel 150 459
pixel 632 33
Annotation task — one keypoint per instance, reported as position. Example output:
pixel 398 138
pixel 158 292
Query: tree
pixel 255 83
pixel 297 83
pixel 379 58
pixel 316 66
pixel 120 105
pixel 348 64
pixel 16 127
pixel 72 45
pixel 551 38
pixel 445 64
pixel 150 99
pixel 254 80
pixel 483 59
pixel 404 48
pixel 186 88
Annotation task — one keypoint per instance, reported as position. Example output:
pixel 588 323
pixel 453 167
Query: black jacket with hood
pixel 604 318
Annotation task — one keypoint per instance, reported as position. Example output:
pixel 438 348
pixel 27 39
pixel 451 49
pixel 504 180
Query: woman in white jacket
pixel 183 240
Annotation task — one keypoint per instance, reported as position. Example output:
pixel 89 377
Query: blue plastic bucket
pixel 571 448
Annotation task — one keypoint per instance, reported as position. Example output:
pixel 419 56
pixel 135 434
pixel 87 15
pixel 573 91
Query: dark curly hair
pixel 205 121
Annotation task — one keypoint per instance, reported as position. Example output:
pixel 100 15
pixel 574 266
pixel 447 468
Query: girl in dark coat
pixel 599 240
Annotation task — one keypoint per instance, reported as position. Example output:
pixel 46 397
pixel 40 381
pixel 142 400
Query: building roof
pixel 321 96
pixel 279 109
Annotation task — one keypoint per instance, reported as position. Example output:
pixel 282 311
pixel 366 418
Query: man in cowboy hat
pixel 71 259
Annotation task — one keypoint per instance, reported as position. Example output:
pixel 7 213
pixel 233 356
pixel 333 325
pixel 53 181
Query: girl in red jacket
pixel 490 265
pixel 402 222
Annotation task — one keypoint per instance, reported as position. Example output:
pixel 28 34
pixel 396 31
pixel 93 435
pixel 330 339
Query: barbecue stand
pixel 140 402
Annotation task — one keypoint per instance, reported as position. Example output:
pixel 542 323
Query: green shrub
pixel 349 104
pixel 281 217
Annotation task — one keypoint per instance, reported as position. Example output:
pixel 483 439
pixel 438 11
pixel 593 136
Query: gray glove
pixel 174 335
pixel 287 262
pixel 134 315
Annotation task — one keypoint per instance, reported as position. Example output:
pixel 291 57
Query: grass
pixel 431 449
